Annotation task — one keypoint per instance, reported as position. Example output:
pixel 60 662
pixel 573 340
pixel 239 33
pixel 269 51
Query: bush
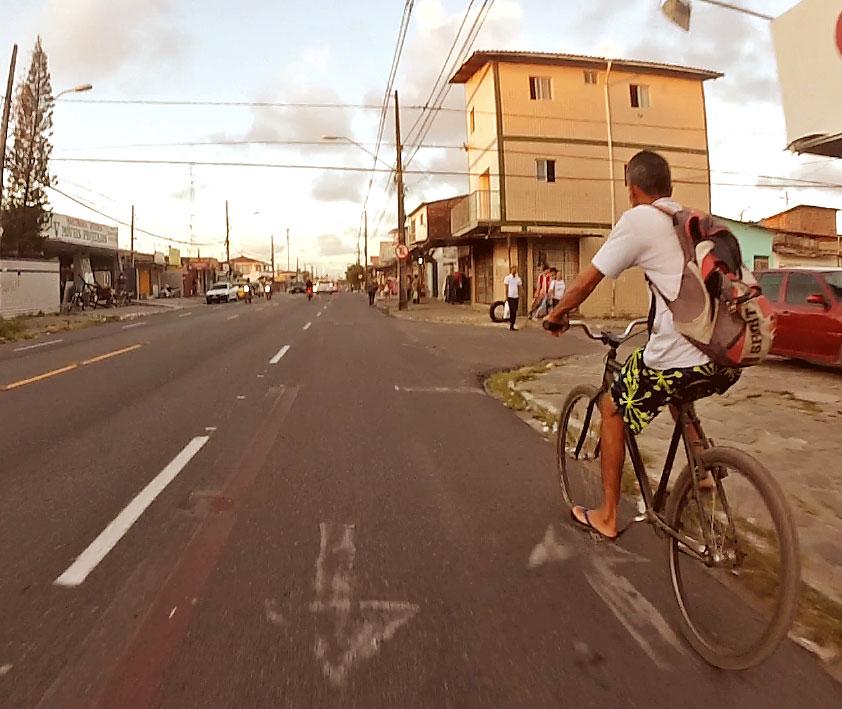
pixel 10 330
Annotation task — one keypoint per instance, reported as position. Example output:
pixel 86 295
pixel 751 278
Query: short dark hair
pixel 553 268
pixel 651 173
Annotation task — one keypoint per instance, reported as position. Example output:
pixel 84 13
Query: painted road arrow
pixel 348 632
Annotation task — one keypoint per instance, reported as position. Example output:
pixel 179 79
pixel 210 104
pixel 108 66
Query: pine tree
pixel 26 210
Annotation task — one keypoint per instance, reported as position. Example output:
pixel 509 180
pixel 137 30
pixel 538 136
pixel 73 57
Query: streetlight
pixel 346 139
pixel 81 88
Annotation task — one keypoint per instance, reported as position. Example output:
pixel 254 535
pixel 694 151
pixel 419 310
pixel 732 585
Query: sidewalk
pixel 436 311
pixel 788 415
pixel 28 327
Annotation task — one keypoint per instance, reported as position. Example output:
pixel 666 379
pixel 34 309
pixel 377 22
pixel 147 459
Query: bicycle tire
pixel 570 488
pixel 761 480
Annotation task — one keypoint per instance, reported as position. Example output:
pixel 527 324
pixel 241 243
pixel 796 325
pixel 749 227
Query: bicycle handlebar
pixel 601 336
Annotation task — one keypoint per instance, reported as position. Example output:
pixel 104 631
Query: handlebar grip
pixel 552 326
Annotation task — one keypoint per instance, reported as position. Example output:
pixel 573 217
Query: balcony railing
pixel 480 208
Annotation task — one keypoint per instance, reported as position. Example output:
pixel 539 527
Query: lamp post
pixel 81 88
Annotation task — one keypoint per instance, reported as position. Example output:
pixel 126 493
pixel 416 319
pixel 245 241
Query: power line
pixel 793 182
pixel 371 107
pixel 120 221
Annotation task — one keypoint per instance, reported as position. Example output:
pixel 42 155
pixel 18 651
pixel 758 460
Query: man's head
pixel 648 176
pixel 553 271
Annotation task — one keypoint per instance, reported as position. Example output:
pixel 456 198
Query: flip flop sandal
pixel 587 526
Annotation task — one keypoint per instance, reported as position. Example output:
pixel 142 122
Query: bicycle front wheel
pixel 577 453
pixel 738 605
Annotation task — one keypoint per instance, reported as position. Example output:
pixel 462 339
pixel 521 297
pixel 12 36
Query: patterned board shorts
pixel 640 392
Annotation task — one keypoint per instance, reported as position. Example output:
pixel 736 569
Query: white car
pixel 326 287
pixel 221 292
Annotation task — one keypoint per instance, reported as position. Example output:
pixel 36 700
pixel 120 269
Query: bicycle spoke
pixel 736 602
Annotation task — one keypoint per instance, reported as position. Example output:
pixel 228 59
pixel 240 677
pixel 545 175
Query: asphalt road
pixel 309 504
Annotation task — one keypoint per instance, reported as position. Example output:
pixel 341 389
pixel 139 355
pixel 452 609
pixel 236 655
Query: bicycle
pixel 707 554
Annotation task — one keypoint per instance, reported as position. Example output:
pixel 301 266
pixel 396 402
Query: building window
pixel 590 77
pixel 540 88
pixel 472 121
pixel 639 95
pixel 422 218
pixel 761 263
pixel 545 170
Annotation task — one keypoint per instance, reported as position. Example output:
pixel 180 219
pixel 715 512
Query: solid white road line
pixel 281 352
pixel 135 324
pixel 307 326
pixel 40 344
pixel 108 538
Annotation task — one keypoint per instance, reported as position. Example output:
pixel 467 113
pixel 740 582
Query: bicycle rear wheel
pixel 579 474
pixel 738 606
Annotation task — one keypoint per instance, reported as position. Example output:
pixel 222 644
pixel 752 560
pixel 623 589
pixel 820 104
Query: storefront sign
pixel 159 259
pixel 175 258
pixel 71 230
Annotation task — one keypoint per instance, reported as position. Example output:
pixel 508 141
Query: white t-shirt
pixel 513 283
pixel 557 288
pixel 645 237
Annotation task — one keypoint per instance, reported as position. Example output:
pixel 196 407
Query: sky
pixel 324 52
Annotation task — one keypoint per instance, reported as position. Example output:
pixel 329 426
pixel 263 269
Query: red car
pixel 808 304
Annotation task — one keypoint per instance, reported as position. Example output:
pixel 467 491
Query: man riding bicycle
pixel 669 369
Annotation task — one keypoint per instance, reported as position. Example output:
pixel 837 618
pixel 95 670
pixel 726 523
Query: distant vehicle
pixel 297 287
pixel 808 305
pixel 221 292
pixel 326 287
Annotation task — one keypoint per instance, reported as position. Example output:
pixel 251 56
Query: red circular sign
pixel 839 33
pixel 401 251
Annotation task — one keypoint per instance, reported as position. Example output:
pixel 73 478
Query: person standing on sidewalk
pixel 372 290
pixel 513 284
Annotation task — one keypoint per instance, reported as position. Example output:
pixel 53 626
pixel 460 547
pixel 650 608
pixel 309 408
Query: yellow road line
pixel 108 355
pixel 39 377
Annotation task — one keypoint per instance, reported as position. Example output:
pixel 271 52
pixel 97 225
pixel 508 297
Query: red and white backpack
pixel 720 307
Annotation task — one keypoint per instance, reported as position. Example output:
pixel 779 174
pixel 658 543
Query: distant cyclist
pixel 308 286
pixel 669 369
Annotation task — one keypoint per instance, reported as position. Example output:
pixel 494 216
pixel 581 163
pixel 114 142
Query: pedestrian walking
pixel 513 284
pixel 416 290
pixel 557 287
pixel 372 291
pixel 542 293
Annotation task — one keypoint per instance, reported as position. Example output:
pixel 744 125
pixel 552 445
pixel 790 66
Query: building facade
pixel 548 140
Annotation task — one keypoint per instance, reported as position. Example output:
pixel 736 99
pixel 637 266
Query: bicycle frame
pixel 654 501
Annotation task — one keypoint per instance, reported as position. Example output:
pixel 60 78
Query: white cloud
pixel 92 39
pixel 339 186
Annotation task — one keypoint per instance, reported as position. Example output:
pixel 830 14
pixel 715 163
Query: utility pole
pixel 401 215
pixel 365 245
pixel 134 284
pixel 272 242
pixel 227 240
pixel 4 128
pixel 288 256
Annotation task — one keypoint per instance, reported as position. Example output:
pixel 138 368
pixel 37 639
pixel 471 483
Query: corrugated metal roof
pixel 479 59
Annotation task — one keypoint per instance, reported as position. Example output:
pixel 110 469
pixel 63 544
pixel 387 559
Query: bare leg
pixel 612 456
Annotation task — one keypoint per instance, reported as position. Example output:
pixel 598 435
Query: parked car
pixel 221 292
pixel 297 287
pixel 326 287
pixel 808 306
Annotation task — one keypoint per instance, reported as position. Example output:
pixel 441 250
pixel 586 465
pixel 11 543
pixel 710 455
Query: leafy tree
pixel 354 274
pixel 26 212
